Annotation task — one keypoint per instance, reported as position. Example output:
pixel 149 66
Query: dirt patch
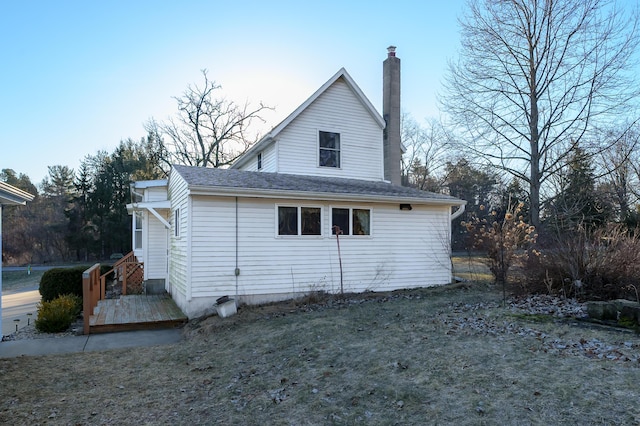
pixel 451 355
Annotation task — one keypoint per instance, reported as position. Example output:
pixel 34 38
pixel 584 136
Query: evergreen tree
pixel 578 204
pixel 477 187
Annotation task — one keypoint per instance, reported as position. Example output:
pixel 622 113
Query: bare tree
pixel 533 78
pixel 207 131
pixel 619 167
pixel 426 153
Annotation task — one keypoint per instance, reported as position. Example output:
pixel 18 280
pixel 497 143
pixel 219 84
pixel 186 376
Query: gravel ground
pixel 30 332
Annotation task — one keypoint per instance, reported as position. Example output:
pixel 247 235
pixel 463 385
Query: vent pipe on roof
pixel 392 147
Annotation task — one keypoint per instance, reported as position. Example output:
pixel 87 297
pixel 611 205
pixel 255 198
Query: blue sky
pixel 79 76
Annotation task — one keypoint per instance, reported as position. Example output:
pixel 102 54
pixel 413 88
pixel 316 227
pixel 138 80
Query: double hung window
pixel 329 155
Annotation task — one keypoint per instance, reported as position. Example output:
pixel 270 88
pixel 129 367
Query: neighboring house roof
pixel 341 74
pixel 208 181
pixel 10 195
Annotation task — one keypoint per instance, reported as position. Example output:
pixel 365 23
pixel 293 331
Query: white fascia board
pixel 142 184
pixel 323 196
pixel 10 195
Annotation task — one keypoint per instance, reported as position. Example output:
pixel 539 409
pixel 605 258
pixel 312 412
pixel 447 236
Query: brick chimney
pixel 391 112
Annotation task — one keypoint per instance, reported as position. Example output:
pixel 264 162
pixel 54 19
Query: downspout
pixel 458 212
pixel 237 270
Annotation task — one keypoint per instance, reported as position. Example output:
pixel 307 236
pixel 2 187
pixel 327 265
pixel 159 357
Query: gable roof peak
pixel 341 74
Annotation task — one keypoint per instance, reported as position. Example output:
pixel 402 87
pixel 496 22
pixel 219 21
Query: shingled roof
pixel 203 181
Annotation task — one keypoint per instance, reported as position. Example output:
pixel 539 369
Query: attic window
pixel 329 149
pixel 259 161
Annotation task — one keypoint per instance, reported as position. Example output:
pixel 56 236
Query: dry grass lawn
pixel 403 358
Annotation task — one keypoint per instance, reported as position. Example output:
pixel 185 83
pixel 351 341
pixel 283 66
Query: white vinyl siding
pixel 155 193
pixel 336 110
pixel 213 247
pixel 155 266
pixel 179 259
pixel 396 256
pixel 269 161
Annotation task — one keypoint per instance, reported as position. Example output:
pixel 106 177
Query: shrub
pixel 502 239
pixel 58 281
pixel 58 314
pixel 603 264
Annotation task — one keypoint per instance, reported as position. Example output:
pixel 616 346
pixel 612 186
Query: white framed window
pixel 299 220
pixel 137 232
pixel 329 149
pixel 351 221
pixel 176 223
pixel 259 161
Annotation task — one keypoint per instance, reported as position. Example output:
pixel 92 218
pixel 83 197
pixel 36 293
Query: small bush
pixel 58 314
pixel 505 240
pixel 58 281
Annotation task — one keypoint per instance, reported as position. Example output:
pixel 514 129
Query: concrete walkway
pixel 89 343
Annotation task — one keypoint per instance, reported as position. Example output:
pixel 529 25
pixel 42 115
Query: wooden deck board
pixel 136 312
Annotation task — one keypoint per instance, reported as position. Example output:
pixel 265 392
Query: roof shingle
pixel 212 179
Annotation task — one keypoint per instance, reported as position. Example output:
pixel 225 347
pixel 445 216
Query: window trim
pixel 299 208
pixel 319 148
pixel 351 209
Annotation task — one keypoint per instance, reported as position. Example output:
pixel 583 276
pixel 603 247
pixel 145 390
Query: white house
pixel 263 230
pixel 9 196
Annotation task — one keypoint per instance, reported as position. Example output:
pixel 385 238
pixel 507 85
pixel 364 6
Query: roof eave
pixel 10 195
pixel 321 196
pixel 143 184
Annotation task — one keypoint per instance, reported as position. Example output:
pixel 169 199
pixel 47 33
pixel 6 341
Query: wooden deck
pixel 136 312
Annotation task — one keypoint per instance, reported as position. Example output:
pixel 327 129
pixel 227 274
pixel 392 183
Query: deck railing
pixel 91 293
pixel 128 270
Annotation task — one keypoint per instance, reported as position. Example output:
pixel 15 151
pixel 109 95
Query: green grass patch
pixel 16 280
pixel 471 268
